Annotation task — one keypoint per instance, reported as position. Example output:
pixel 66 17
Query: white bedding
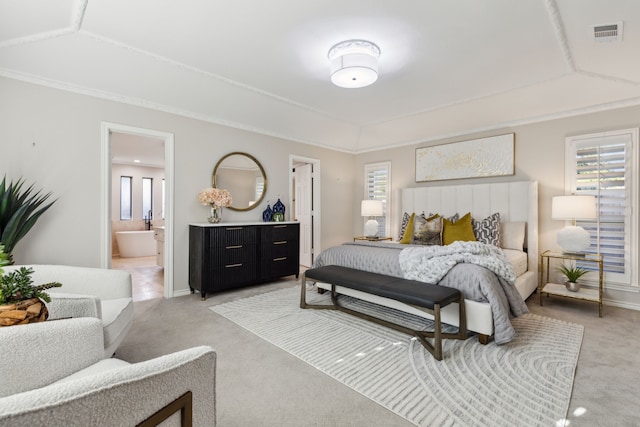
pixel 518 260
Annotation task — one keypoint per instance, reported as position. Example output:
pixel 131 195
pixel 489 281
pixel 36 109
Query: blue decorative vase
pixel 278 207
pixel 267 214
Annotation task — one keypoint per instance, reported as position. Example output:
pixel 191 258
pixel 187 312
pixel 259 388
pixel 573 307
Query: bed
pixel 517 205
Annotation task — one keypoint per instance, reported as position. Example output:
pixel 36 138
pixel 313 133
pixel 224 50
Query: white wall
pixel 52 138
pixel 539 156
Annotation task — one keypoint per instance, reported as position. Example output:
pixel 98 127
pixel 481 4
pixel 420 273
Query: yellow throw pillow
pixel 459 230
pixel 408 231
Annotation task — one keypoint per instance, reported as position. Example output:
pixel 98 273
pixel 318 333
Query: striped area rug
pixel 526 382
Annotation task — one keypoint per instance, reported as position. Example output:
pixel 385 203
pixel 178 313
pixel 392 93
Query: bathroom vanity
pixel 231 255
pixel 158 235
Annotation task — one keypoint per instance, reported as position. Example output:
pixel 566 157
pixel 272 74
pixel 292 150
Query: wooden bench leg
pixel 303 296
pixel 436 348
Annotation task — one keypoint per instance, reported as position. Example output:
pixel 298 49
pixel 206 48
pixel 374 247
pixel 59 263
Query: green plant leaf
pixel 19 211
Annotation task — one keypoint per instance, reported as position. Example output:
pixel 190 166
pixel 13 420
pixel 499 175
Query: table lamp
pixel 572 238
pixel 371 209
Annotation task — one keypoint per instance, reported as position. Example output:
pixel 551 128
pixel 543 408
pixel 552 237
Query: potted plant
pixel 573 273
pixel 20 302
pixel 19 211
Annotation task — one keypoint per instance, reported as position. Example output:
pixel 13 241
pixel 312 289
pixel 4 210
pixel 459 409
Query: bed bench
pixel 423 296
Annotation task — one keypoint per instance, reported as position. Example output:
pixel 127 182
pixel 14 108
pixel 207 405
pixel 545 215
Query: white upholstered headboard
pixel 516 201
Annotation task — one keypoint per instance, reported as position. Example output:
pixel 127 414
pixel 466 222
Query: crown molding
pixel 160 107
pixel 632 102
pixel 241 126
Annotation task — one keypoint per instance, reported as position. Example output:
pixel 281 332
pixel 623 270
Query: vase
pixel 278 207
pixel 216 216
pixel 572 286
pixel 267 214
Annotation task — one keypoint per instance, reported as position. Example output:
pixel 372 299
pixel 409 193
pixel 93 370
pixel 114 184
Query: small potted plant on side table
pixel 573 274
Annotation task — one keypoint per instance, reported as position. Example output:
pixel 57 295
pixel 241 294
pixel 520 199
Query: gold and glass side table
pixel 557 289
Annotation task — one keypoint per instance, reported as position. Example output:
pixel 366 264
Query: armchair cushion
pixel 117 319
pixel 64 305
pixel 64 347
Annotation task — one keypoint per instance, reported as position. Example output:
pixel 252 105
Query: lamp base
pixel 574 239
pixel 371 228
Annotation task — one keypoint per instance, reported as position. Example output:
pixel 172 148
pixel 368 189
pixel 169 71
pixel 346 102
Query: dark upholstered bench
pixel 423 296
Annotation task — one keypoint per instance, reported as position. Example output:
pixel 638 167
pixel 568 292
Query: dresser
pixel 231 255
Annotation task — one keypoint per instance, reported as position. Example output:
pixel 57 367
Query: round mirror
pixel 244 177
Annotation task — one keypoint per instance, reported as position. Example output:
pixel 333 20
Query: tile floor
pixel 147 277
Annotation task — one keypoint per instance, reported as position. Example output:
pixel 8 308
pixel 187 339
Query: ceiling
pixel 447 68
pixel 137 150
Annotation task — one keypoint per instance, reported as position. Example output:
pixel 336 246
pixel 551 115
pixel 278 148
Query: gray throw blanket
pixel 430 263
pixel 477 261
pixel 477 282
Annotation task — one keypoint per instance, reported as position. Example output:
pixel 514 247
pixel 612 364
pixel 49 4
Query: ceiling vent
pixel 608 33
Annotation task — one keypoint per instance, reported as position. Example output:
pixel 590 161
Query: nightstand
pixel 594 295
pixel 372 239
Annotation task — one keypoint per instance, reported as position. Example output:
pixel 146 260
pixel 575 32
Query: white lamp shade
pixel 371 208
pixel 354 63
pixel 573 207
pixel 573 239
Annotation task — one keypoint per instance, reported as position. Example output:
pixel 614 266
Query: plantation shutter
pixel 602 167
pixel 377 186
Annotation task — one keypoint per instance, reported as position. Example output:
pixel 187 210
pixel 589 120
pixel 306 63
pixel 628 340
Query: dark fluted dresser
pixel 231 255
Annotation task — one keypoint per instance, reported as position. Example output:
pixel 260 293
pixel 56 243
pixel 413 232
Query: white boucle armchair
pixel 54 374
pixel 89 292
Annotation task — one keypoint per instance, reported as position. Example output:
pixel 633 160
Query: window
pixel 125 198
pixel 259 189
pixel 377 186
pixel 147 198
pixel 604 165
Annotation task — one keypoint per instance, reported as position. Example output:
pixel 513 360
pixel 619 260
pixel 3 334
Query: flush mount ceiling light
pixel 354 63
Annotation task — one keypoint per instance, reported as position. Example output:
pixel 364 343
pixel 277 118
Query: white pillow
pixel 512 235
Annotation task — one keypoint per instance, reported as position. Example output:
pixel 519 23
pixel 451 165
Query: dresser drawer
pixel 283 266
pixel 284 232
pixel 238 255
pixel 233 236
pixel 236 273
pixel 281 249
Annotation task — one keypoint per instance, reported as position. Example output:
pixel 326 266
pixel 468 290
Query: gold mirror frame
pixel 258 164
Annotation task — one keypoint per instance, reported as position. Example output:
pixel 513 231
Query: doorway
pixel 130 155
pixel 304 179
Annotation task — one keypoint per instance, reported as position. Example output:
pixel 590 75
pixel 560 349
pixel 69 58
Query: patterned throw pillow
pixel 427 231
pixel 408 232
pixel 487 230
pixel 403 226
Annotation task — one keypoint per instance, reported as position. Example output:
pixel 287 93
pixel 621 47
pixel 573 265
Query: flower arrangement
pixel 215 197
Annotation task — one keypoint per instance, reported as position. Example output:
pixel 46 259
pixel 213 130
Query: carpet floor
pixel 526 382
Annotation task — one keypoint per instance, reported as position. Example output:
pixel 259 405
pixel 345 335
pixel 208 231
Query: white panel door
pixel 303 191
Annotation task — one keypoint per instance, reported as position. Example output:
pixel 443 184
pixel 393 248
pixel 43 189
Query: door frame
pixel 316 218
pixel 106 129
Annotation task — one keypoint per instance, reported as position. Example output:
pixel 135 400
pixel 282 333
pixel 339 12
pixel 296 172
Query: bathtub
pixel 136 243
